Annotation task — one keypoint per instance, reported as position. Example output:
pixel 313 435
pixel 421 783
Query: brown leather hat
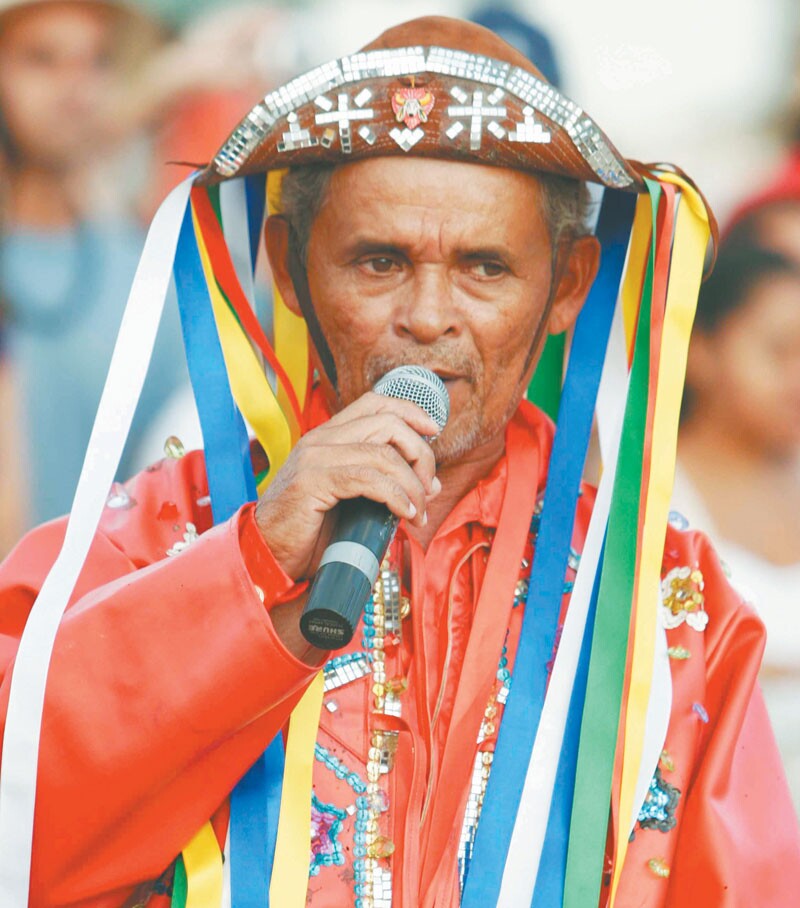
pixel 435 87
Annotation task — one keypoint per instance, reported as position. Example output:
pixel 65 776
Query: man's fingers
pixel 383 430
pixel 372 404
pixel 369 482
pixel 377 472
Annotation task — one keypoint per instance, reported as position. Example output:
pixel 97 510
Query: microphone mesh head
pixel 420 386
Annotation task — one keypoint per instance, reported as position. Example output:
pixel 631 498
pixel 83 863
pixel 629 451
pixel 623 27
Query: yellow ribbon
pixel 289 884
pixel 202 859
pixel 250 386
pixel 634 272
pixel 291 335
pixel 689 247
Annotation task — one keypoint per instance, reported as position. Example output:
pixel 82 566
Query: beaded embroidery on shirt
pixel 683 599
pixel 381 631
pixel 491 720
pixel 326 826
pixel 660 804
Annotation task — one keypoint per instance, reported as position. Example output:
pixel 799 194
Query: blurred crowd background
pixel 97 98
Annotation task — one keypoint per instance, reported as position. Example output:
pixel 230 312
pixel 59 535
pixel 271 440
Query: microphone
pixel 364 529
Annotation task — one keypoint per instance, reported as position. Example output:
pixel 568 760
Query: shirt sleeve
pixel 739 843
pixel 167 682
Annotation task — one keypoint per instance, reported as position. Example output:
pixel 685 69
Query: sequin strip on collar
pixel 372 848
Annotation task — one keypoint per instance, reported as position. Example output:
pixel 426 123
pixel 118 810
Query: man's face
pixel 441 264
pixel 55 71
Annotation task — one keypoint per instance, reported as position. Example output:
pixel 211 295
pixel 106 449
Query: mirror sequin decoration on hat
pixel 354 106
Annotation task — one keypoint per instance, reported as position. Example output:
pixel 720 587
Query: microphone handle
pixel 347 572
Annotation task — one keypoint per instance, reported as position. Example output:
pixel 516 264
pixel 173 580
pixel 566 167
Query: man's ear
pixel 576 269
pixel 277 238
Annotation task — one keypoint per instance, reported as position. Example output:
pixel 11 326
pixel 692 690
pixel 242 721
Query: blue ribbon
pixel 255 187
pixel 255 802
pixel 227 447
pixel 255 807
pixel 537 639
pixel 549 891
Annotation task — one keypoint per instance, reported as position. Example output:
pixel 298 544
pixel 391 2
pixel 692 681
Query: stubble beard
pixel 467 429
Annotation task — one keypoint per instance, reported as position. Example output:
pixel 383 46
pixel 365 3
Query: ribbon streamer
pixel 552 747
pixel 525 703
pixel 291 334
pixel 199 873
pixel 593 782
pixel 121 392
pixel 225 441
pixel 289 886
pixel 691 239
pixel 249 384
pixel 223 278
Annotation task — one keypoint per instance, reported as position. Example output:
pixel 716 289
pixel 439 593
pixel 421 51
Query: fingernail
pixel 424 518
pixel 436 485
pixel 412 511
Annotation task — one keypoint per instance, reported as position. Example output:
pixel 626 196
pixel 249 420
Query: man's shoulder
pixel 152 512
pixel 696 589
pixel 144 520
pixel 695 586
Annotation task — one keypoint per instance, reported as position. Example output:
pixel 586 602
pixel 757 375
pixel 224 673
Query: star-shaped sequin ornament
pixel 660 803
pixel 683 600
pixel 326 827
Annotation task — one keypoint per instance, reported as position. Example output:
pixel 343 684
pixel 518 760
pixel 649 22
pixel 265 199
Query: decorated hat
pixel 434 87
pixel 446 89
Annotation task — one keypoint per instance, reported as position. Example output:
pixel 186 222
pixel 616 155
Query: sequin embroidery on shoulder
pixel 191 535
pixel 683 599
pixel 660 803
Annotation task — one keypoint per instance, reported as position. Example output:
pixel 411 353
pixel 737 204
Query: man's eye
pixel 380 264
pixel 489 269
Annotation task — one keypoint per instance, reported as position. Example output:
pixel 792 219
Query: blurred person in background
pixel 190 97
pixel 65 267
pixel 192 90
pixel 738 474
pixel 524 35
pixel 11 520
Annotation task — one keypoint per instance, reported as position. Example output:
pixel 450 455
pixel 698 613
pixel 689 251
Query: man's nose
pixel 429 309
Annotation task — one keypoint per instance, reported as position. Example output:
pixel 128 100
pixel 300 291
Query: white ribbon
pixel 530 827
pixel 120 396
pixel 233 206
pixel 659 710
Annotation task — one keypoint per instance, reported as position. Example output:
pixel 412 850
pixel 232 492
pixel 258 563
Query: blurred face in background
pixel 745 374
pixel 778 228
pixel 56 71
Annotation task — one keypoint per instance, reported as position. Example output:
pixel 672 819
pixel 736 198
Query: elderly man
pixel 171 675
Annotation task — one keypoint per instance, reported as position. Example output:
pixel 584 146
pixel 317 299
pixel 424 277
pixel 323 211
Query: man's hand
pixel 373 449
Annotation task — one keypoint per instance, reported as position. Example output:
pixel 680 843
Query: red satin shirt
pixel 168 681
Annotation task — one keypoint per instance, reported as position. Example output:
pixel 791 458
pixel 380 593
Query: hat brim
pixel 429 101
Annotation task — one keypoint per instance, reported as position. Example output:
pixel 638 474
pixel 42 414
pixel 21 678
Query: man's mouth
pixel 448 376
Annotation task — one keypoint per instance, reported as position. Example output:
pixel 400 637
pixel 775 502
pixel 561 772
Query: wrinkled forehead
pixel 450 206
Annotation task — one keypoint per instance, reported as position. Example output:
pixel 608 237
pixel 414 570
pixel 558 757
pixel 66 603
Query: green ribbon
pixel 601 713
pixel 545 387
pixel 180 885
